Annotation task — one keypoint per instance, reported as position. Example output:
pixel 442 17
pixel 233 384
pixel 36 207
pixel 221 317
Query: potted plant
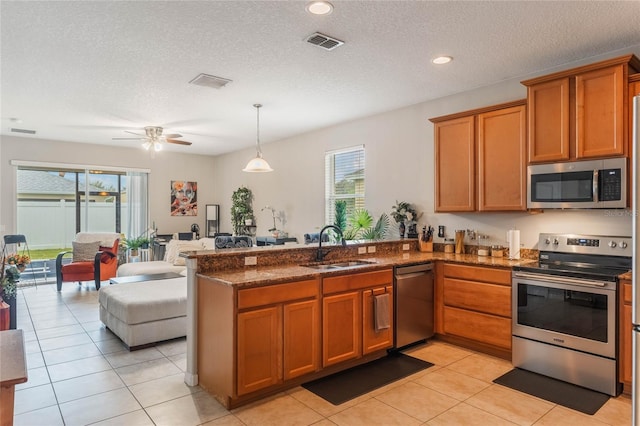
pixel 405 215
pixel 241 210
pixel 134 244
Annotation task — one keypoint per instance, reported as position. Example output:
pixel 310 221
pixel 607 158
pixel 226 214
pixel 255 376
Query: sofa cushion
pixel 147 268
pixel 175 247
pixel 135 303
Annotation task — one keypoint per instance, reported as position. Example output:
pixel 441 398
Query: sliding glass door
pixel 53 204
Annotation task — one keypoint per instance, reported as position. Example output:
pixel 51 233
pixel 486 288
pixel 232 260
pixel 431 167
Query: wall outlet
pixel 371 249
pixel 362 250
pixel 405 247
pixel 250 260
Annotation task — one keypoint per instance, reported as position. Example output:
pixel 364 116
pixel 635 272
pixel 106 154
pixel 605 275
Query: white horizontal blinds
pixel 344 180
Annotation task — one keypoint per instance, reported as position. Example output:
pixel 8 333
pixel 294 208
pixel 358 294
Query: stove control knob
pixel 612 244
pixel 555 242
pixel 622 245
pixel 547 241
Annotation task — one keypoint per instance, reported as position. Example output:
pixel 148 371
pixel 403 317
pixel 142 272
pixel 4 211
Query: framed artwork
pixel 184 198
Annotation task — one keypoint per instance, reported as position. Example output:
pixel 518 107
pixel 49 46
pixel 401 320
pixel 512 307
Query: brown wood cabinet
pixel 625 335
pixel 476 306
pixel 252 340
pixel 579 113
pixel 480 159
pixel 280 340
pixel 455 165
pixel 347 308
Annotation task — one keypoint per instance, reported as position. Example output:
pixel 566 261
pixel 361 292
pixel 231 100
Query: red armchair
pixel 95 258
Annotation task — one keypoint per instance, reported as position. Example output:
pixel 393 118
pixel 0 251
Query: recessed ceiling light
pixel 442 60
pixel 319 7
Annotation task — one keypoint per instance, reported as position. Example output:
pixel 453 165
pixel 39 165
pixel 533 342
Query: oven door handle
pixel 561 280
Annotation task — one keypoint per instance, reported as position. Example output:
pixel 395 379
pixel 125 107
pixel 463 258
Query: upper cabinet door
pixel 455 165
pixel 502 163
pixel 549 134
pixel 600 107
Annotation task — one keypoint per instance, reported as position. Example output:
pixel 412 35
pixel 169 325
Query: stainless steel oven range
pixel 564 309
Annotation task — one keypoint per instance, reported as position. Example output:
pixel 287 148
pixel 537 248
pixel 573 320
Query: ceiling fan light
pixel 257 165
pixel 157 146
pixel 146 145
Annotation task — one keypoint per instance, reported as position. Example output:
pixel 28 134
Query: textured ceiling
pixel 85 71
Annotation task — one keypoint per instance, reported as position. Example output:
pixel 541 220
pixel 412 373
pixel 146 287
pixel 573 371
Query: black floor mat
pixel 345 385
pixel 556 391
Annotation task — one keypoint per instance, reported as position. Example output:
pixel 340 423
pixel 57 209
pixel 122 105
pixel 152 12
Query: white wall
pixel 165 167
pixel 399 166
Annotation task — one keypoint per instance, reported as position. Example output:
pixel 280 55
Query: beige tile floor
pixel 80 373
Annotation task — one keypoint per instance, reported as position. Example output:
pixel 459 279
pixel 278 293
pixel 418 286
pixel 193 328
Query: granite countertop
pixel 257 276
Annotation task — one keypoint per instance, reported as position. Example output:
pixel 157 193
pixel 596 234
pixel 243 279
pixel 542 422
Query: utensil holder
pixel 425 246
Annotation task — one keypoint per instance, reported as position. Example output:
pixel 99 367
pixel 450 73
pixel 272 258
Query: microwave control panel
pixel 610 185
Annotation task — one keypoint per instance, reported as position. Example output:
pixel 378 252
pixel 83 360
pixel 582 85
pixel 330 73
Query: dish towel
pixel 381 312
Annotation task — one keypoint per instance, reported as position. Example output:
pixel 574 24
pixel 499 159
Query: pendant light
pixel 258 164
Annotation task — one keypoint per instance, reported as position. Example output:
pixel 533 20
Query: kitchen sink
pixel 339 265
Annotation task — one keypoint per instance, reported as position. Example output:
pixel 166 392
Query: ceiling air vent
pixel 324 41
pixel 29 132
pixel 212 81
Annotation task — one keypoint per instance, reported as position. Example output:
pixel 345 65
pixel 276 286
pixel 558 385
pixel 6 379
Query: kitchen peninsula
pixel 284 320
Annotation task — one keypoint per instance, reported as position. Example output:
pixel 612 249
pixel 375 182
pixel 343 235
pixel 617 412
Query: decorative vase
pixel 402 229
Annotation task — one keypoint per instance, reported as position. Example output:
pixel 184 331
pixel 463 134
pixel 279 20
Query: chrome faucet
pixel 321 254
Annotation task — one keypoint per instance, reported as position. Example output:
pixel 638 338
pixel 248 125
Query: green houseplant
pixel 241 209
pixel 134 244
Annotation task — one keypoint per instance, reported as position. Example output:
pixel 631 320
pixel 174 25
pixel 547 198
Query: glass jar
pixel 449 245
pixel 497 251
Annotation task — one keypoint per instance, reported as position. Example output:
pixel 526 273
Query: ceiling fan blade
pixel 173 136
pixel 137 134
pixel 177 142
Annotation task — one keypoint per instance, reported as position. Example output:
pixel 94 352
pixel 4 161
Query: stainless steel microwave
pixel 595 184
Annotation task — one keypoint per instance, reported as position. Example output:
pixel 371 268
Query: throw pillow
pixel 186 246
pixel 85 252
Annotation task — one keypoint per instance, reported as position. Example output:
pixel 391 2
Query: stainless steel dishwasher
pixel 413 304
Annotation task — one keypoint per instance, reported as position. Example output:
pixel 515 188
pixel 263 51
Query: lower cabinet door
pixel 259 349
pixel 301 338
pixel 373 340
pixel 483 328
pixel 341 328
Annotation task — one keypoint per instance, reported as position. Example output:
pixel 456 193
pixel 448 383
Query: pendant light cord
pixel 258 106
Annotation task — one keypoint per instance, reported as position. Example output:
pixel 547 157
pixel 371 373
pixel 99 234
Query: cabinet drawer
pixel 483 328
pixel 476 273
pixel 626 292
pixel 488 298
pixel 356 281
pixel 277 293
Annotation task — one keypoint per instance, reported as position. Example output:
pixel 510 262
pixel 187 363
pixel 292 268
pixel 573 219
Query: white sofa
pixel 146 312
pixel 172 261
pixel 142 313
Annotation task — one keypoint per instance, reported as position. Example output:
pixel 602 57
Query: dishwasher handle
pixel 422 268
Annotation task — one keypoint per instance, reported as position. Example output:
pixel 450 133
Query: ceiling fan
pixel 154 138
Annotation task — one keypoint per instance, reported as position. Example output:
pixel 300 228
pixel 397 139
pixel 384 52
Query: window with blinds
pixel 344 180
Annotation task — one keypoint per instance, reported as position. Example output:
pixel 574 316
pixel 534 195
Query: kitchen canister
pixel 460 241
pixel 448 245
pixel 497 251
